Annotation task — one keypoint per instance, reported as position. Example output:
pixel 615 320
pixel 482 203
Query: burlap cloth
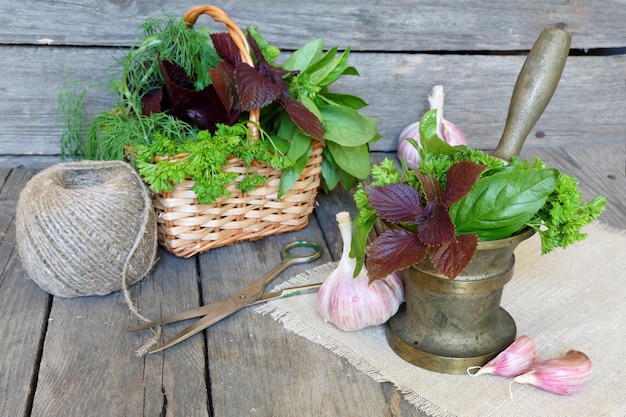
pixel 568 299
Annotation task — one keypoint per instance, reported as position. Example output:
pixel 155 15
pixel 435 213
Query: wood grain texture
pixel 365 25
pixel 89 365
pixel 589 104
pixel 249 347
pixel 23 308
pixel 245 365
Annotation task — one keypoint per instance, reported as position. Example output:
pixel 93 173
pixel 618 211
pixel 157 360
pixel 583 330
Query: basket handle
pixel 238 37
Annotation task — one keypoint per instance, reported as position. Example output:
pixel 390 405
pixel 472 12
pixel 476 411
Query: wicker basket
pixel 186 228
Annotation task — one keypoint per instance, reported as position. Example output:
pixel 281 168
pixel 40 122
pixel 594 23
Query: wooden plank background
pixel 401 51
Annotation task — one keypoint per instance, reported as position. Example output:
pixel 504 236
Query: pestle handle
pixel 533 90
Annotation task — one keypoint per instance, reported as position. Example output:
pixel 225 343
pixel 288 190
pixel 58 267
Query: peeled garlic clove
pixel 352 303
pixel 563 376
pixel 514 360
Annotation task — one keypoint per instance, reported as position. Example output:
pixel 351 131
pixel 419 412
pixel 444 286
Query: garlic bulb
pixel 446 130
pixel 564 376
pixel 352 303
pixel 406 150
pixel 512 361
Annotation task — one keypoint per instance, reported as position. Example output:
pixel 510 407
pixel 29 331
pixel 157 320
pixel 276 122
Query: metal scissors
pixel 252 294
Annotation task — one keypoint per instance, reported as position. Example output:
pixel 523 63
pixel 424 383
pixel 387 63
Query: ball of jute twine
pixel 87 228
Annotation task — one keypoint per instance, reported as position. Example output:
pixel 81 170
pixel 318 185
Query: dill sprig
pixel 111 132
pixel 73 115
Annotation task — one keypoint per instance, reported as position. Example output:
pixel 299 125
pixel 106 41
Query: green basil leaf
pixel 310 105
pixel 360 233
pixel 346 100
pixel 339 68
pixel 428 126
pixel 429 141
pixel 281 143
pixel 346 126
pixel 290 175
pixel 323 68
pixel 330 171
pixel 501 204
pixel 350 71
pixel 348 180
pixel 298 141
pixel 305 56
pixel 354 160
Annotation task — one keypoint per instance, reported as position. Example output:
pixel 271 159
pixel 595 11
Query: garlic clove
pixel 405 149
pixel 564 376
pixel 446 130
pixel 514 360
pixel 452 134
pixel 352 303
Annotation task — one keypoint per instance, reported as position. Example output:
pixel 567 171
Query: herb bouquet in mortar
pixel 451 225
pixel 233 144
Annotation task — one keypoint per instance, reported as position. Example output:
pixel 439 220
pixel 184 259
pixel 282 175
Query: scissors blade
pixel 288 292
pixel 183 315
pixel 218 311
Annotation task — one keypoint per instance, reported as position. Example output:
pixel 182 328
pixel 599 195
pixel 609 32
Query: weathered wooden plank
pixel 258 368
pixel 86 351
pixel 23 309
pixel 588 105
pixel 255 366
pixel 364 25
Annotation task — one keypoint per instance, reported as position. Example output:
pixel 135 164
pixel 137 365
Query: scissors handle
pixel 290 258
pixel 254 291
pixel 287 255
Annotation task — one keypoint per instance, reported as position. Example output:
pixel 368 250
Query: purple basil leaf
pixel 460 179
pixel 174 74
pixel 205 110
pixel 255 89
pixel 452 257
pixel 435 226
pixel 223 76
pixel 432 187
pixel 260 58
pixel 201 108
pixel 179 87
pixel 226 48
pixel 262 65
pixel 151 102
pixel 303 117
pixel 397 203
pixel 391 251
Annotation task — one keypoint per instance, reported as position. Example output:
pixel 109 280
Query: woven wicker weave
pixel 186 228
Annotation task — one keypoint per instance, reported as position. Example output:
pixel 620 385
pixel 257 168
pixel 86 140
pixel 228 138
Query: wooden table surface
pixel 70 357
